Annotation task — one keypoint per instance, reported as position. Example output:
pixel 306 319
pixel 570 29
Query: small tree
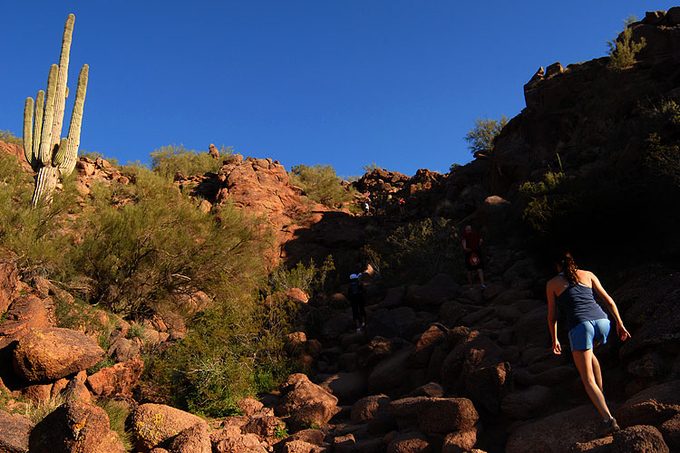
pixel 623 50
pixel 321 184
pixel 480 138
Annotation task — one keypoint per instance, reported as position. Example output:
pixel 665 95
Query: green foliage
pixel 142 256
pixel 308 278
pixel 623 50
pixel 118 412
pixel 104 363
pixel 369 168
pixel 418 251
pixel 663 159
pixel 9 137
pixel 224 357
pixel 34 235
pixel 169 160
pixel 321 184
pixel 480 138
pixel 281 432
pixel 542 204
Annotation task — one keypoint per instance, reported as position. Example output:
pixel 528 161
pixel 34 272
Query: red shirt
pixel 472 240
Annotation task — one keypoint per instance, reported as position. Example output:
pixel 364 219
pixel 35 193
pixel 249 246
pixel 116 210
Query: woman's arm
pixel 611 306
pixel 552 318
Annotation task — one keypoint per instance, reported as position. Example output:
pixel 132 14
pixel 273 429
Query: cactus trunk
pixel 62 78
pixel 28 130
pixel 50 155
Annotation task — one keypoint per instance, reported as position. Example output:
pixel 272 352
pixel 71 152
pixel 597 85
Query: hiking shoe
pixel 608 427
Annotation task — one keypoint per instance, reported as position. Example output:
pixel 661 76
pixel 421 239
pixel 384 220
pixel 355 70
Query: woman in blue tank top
pixel 572 293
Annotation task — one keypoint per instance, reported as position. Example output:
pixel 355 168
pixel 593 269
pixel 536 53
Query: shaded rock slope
pixel 440 366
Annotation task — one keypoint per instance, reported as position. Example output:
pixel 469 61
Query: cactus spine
pixel 51 156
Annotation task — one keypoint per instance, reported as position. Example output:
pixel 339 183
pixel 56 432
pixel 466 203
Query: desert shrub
pixel 118 412
pixel 417 251
pixel 481 137
pixel 38 237
pixel 230 353
pixel 172 159
pixel 142 253
pixel 308 278
pixel 9 137
pixel 321 184
pixel 543 201
pixel 623 50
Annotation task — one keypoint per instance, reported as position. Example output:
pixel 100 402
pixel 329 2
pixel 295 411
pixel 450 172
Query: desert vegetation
pixel 321 184
pixel 168 161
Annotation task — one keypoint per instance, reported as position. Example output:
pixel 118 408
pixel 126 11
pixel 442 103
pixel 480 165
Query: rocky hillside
pixel 592 162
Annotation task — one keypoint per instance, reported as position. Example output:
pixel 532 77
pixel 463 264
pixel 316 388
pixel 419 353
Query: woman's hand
pixel 623 333
pixel 557 347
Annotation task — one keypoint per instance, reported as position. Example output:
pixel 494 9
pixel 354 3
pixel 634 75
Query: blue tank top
pixel 577 304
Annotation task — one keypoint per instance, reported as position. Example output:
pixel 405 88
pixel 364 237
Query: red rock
pixel 435 415
pixel 231 440
pixel 347 387
pixel 153 424
pixel 305 403
pixel 192 440
pixel 75 427
pixel 14 432
pixel 651 406
pixel 639 438
pixel 250 406
pixel 119 379
pixel 370 407
pixel 9 279
pixel 49 354
pixel 38 393
pixel 557 432
pixel 671 432
pixel 460 441
pixel 297 295
pixel 409 443
pixel 299 446
pixel 426 343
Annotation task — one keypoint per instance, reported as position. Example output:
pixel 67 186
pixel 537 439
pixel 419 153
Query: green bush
pixel 308 278
pixel 543 201
pixel 169 160
pixel 481 137
pixel 118 412
pixel 418 251
pixel 141 254
pixel 321 184
pixel 9 137
pixel 622 51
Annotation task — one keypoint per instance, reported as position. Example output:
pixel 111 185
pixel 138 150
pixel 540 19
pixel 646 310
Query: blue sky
pixel 342 82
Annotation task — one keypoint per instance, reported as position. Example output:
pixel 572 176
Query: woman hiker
pixel 571 292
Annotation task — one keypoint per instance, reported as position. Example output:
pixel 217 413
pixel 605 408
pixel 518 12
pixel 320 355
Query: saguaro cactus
pixel 51 156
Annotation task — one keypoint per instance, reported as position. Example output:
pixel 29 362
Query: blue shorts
pixel 582 335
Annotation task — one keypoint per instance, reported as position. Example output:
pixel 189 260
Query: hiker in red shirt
pixel 472 243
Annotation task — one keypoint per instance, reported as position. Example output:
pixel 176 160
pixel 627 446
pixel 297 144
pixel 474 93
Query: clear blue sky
pixel 340 82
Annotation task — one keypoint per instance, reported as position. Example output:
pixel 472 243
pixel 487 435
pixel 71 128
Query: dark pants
pixel 358 310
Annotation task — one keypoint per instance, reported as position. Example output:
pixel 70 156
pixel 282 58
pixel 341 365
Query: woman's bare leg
pixel 597 372
pixel 584 365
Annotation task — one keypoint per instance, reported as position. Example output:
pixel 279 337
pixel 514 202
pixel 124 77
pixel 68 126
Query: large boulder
pixel 651 406
pixel 230 439
pixel 460 441
pixel 639 439
pixel 119 379
pixel 44 355
pixel 391 376
pixel 527 403
pixel 9 279
pixel 347 387
pixel 305 404
pixel 75 426
pixel 14 432
pixel 153 424
pixel 438 290
pixel 26 312
pixel 192 440
pixel 557 432
pixel 369 407
pixel 409 442
pixel 435 415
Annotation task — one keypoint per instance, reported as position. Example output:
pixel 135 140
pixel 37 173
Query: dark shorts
pixel 471 267
pixel 583 335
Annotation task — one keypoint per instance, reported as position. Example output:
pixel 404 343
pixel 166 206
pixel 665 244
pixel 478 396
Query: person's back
pixel 577 302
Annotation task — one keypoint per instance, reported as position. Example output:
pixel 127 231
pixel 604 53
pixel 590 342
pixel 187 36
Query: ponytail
pixel 569 268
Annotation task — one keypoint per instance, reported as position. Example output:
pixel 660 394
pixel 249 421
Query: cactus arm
pixel 71 149
pixel 28 130
pixel 45 183
pixel 45 156
pixel 37 128
pixel 62 78
pixel 60 156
